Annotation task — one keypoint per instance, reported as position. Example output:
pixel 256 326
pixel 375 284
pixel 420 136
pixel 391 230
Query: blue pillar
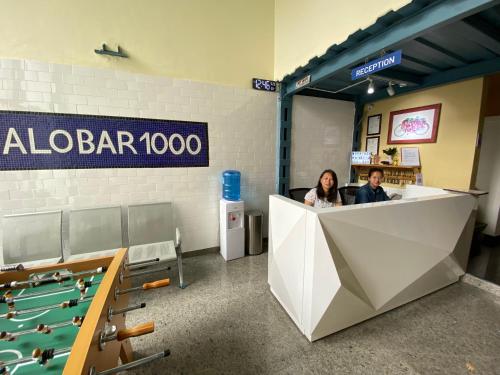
pixel 356 133
pixel 283 146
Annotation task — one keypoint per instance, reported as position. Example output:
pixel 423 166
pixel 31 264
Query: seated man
pixel 372 191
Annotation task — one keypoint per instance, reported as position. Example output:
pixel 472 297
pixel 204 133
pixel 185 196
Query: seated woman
pixel 326 193
pixel 372 191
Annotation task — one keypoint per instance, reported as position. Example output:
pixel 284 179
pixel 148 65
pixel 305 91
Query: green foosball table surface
pixel 59 338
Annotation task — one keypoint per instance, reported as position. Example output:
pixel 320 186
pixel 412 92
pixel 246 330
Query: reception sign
pixel 30 140
pixel 387 61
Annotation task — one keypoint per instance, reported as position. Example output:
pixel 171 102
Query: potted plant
pixel 390 152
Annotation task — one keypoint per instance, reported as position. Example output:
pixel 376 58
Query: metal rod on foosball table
pixel 142 262
pixel 52 279
pixel 140 273
pixel 42 328
pixel 112 312
pixel 36 294
pixel 63 305
pixel 44 355
pixel 84 285
pixel 12 267
pixel 147 272
pixel 145 286
pixel 131 365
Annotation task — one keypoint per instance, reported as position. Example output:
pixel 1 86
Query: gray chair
pixel 94 232
pixel 152 234
pixel 32 239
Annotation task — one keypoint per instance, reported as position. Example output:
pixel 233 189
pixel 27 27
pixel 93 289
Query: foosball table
pixel 69 318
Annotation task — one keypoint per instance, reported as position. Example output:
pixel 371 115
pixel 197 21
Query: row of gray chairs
pixel 148 230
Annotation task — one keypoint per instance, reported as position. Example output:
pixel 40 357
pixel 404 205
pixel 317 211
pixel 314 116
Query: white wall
pixel 241 128
pixel 488 176
pixel 321 139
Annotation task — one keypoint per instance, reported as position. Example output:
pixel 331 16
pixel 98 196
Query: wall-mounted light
pixel 371 87
pixel 390 89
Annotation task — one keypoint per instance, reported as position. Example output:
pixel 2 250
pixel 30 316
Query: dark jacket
pixel 366 194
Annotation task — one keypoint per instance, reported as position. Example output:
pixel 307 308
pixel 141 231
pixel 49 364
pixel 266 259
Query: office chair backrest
pixel 348 194
pixel 298 194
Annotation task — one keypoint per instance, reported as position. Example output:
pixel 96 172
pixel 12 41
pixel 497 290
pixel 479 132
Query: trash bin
pixel 253 232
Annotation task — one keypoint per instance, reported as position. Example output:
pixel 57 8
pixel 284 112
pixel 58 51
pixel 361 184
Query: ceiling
pixel 460 47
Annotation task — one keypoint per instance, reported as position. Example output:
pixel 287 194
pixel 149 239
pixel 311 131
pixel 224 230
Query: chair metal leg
pixel 178 252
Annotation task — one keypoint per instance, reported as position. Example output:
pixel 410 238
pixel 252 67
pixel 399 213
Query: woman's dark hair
pixel 375 169
pixel 332 193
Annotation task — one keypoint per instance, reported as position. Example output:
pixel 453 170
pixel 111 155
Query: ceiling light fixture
pixel 371 87
pixel 390 89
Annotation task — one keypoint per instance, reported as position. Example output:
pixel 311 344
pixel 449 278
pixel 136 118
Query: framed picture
pixel 372 145
pixel 374 124
pixel 410 156
pixel 414 125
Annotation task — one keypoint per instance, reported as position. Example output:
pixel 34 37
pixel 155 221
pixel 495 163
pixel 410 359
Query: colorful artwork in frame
pixel 414 125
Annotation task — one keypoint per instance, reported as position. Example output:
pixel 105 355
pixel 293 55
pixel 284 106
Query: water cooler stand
pixel 232 229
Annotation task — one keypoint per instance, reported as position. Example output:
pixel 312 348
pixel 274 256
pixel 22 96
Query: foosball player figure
pixel 43 356
pixel 6 336
pixel 44 329
pixel 83 286
pixel 9 300
pixel 78 320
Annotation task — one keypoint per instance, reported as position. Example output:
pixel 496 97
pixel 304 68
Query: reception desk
pixel 332 268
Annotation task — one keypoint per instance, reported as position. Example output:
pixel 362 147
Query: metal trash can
pixel 253 232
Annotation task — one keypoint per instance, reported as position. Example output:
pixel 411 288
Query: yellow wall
pixel 222 41
pixel 306 28
pixel 449 162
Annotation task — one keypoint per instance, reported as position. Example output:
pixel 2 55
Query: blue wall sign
pixel 30 140
pixel 386 61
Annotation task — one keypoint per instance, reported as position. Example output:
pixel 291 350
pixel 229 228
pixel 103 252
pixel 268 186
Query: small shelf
pixel 384 166
pixel 393 174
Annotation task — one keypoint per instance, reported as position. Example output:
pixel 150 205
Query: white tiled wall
pixel 241 129
pixel 327 125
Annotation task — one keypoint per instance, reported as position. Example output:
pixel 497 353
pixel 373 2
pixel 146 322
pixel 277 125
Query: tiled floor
pixel 227 322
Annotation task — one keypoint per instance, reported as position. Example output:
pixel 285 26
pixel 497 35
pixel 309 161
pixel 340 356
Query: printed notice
pixel 410 156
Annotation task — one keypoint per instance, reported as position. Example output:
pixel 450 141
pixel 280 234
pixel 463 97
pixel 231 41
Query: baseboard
pixel 196 253
pixel 216 250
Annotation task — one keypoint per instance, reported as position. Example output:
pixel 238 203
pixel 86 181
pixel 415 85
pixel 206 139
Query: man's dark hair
pixel 375 169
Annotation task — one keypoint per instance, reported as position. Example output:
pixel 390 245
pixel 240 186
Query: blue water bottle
pixel 231 185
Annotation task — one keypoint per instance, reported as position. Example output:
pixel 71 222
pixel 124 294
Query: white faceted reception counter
pixel 332 268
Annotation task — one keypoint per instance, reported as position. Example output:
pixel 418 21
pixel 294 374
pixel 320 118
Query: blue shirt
pixel 366 194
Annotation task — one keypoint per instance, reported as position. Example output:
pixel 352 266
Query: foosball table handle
pixel 141 329
pixel 156 284
pixel 130 365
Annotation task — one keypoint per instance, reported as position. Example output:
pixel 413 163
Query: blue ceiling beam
pixel 414 63
pixel 398 76
pixel 441 13
pixel 480 34
pixel 328 95
pixel 452 75
pixel 442 53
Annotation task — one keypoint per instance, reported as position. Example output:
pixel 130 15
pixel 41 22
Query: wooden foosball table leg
pixel 126 353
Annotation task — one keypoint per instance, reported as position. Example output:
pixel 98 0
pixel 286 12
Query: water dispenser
pixel 232 229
